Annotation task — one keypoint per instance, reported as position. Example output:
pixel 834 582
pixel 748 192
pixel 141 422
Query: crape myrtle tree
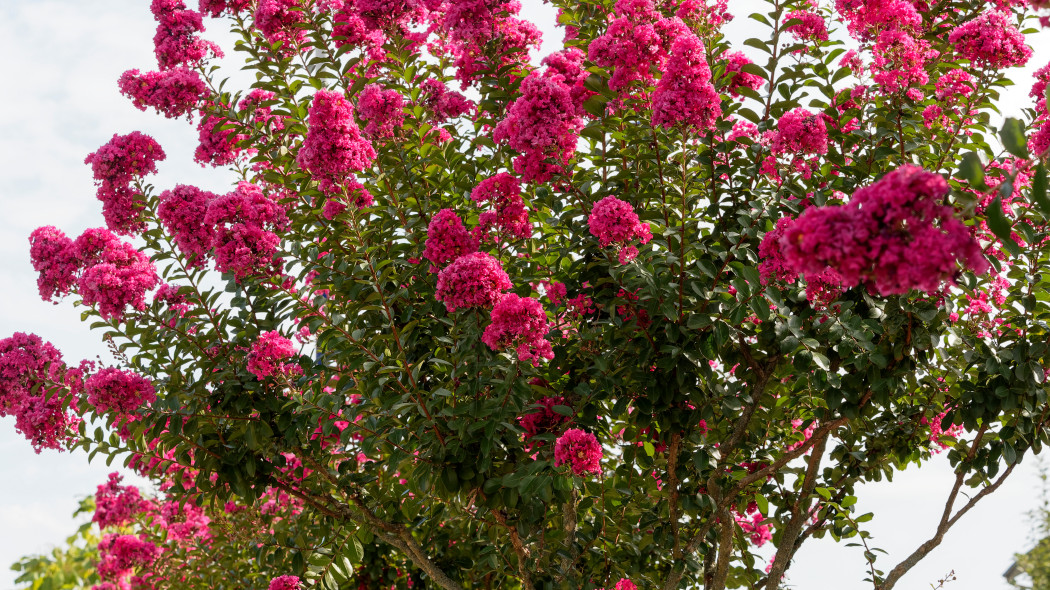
pixel 641 315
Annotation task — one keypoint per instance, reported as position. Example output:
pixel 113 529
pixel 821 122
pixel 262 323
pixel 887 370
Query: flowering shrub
pixel 617 316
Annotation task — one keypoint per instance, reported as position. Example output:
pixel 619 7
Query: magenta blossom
pixel 285 583
pixel 268 354
pixel 800 132
pixel 895 235
pixel 334 147
pixel 173 93
pixel 580 450
pixel 685 95
pixel 119 392
pixel 447 239
pixel 117 505
pixel 545 419
pixel 613 221
pixel 522 323
pixel 991 41
pixel 472 280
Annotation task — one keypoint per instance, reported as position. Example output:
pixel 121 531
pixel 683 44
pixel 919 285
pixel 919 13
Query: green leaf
pixel 1012 135
pixel 595 105
pixel 1039 190
pixel 971 169
pixel 1000 225
pixel 821 361
pixel 763 504
pixel 355 552
pixel 1009 453
pixel 757 44
pixel 563 410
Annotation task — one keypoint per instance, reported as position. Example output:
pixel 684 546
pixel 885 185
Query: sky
pixel 60 103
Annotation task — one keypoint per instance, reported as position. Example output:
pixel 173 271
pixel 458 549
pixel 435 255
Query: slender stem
pixel 799 512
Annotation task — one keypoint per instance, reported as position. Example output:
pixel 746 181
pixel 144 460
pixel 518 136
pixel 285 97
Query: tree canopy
pixel 641 314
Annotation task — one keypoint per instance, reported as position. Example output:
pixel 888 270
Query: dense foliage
pixel 643 315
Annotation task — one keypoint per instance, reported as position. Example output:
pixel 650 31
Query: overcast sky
pixel 60 102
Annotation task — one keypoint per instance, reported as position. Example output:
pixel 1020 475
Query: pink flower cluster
pixel 176 42
pixel 508 215
pixel 173 93
pixel 614 222
pixel 279 21
pixel 485 35
pixel 120 279
pixel 753 526
pixel 684 95
pixel 954 86
pixel 260 113
pixel 543 124
pixel 894 236
pixel 117 505
pixel 238 228
pixel 334 148
pixel 244 242
pixel 472 280
pixel 708 14
pixel 447 239
pixel 351 27
pixel 900 51
pixel 383 109
pixel 474 20
pixel 773 266
pixel 625 584
pixel 285 583
pixel 119 392
pixel 823 288
pixel 446 104
pixel 580 450
pixel 569 64
pixel 217 8
pixel 183 522
pixel 50 252
pixel 637 39
pixel 866 19
pixel 991 41
pixel 806 433
pixel 106 271
pixel 522 323
pixel 545 419
pixel 218 146
pixel 182 211
pixel 811 26
pixel 31 371
pixel 738 78
pixel 1039 140
pixel 800 132
pixel 936 431
pixel 899 63
pixel 268 354
pixel 115 166
pixel 121 554
pixel 168 295
pixel 389 15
